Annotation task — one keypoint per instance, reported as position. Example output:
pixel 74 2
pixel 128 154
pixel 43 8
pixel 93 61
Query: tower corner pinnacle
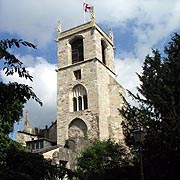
pixel 27 127
pixel 59 29
pixel 111 35
pixel 92 14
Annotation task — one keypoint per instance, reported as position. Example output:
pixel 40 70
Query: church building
pixel 88 95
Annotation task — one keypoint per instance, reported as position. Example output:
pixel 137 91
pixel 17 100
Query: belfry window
pixel 77 50
pixel 80 100
pixel 103 49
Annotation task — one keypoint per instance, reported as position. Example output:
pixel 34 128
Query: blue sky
pixel 138 26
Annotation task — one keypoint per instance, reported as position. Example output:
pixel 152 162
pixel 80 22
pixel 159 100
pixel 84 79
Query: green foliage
pixel 13 96
pixel 12 99
pixel 102 157
pixel 15 161
pixel 11 63
pixel 20 164
pixel 158 112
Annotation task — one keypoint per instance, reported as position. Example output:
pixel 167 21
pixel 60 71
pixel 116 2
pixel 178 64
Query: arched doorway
pixel 77 128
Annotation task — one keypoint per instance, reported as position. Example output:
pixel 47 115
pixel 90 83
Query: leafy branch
pixel 12 64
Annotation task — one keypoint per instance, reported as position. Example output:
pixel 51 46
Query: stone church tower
pixel 88 96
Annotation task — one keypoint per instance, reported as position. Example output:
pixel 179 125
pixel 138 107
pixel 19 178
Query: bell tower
pixel 88 96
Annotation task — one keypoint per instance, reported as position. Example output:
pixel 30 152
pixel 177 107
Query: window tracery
pixel 80 100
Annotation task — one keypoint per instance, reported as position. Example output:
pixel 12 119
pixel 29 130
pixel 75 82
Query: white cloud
pixel 44 85
pixel 36 20
pixel 150 22
pixel 126 70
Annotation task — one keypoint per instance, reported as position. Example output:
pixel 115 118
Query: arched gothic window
pixel 77 49
pixel 80 100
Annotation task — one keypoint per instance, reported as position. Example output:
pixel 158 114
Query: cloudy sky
pixel 138 26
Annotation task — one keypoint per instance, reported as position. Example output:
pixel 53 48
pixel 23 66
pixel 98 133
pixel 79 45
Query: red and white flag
pixel 86 7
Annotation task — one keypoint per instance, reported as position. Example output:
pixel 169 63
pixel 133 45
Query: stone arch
pixel 77 128
pixel 75 37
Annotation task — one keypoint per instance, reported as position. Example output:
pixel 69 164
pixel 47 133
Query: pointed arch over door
pixel 77 128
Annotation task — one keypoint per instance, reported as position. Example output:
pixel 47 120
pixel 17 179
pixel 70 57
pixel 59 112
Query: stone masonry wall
pixel 65 112
pixel 96 79
pixel 116 103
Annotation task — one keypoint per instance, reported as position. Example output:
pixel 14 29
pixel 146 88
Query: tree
pixel 158 112
pixel 13 96
pixel 15 161
pixel 20 164
pixel 103 160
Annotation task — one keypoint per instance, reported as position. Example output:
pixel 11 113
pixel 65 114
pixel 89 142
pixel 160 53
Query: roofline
pixel 83 27
pixel 42 139
pixel 47 149
pixel 28 133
